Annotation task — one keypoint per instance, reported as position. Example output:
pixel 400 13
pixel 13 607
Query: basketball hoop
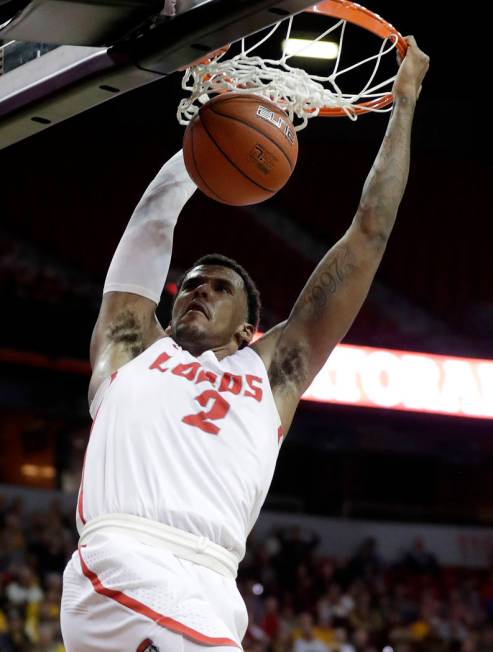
pixel 300 94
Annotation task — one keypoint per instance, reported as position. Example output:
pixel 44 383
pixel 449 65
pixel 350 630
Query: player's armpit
pixel 266 345
pixel 126 326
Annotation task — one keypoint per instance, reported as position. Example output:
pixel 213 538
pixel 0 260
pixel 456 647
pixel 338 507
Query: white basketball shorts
pixel 121 595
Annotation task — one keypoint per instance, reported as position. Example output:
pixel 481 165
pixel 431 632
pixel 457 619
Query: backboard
pixel 44 84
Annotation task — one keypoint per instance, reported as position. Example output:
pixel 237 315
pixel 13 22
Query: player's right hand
pixel 412 70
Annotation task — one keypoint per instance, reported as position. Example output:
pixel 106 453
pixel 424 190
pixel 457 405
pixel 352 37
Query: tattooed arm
pixel 126 326
pixel 295 351
pixel 127 322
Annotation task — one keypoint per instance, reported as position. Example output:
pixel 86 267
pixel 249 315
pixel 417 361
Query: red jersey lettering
pixel 230 383
pixel 188 371
pixel 160 361
pixel 218 410
pixel 204 376
pixel 254 382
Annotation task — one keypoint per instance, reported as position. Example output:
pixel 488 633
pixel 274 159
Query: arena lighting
pixel 38 471
pixel 30 470
pixel 401 380
pixel 301 47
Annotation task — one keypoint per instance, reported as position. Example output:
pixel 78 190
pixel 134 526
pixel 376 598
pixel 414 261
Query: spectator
pixel 48 639
pixel 24 588
pixel 366 562
pixel 341 643
pixel 485 639
pixel 271 623
pixel 16 638
pixel 361 641
pixel 12 539
pixel 305 636
pixel 420 560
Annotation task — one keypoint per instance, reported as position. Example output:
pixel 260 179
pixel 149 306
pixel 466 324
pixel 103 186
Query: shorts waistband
pixel 185 545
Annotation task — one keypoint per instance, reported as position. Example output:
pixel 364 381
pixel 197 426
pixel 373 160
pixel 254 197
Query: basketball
pixel 240 149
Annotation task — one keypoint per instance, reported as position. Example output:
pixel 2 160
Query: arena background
pixel 378 526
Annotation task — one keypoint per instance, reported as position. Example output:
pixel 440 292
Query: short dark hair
pixel 251 290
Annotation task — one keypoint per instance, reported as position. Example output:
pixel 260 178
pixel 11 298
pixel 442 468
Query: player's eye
pixel 189 285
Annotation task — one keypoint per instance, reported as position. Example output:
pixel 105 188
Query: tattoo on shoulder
pixel 127 330
pixel 327 278
pixel 289 367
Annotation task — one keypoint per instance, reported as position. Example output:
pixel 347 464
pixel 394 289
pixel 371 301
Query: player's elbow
pixel 373 225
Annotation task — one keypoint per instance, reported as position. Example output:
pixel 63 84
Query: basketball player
pixel 188 420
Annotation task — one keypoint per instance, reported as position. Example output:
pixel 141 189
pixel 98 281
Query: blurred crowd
pixel 34 549
pixel 298 599
pixel 28 273
pixel 301 601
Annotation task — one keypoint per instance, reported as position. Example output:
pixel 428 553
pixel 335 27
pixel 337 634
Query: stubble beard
pixel 191 337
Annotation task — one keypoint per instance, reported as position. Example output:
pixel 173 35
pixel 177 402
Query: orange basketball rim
pixel 345 11
pixel 362 17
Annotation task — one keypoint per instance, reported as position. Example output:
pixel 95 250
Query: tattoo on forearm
pixel 327 279
pixel 127 330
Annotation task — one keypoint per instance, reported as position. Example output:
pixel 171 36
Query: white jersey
pixel 188 441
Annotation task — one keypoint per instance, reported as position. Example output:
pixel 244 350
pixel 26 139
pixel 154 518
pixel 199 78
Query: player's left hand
pixel 412 71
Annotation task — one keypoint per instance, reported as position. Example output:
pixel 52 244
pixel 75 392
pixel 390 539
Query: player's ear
pixel 245 334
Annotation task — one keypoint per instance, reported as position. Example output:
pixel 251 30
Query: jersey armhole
pixel 98 397
pixel 101 391
pixel 266 373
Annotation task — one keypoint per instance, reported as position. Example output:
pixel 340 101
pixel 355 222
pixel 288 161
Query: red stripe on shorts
pixel 159 619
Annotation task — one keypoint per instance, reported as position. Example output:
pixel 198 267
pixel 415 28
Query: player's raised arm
pixel 127 323
pixel 337 288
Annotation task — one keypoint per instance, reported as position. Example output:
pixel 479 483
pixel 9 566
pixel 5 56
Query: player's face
pixel 210 308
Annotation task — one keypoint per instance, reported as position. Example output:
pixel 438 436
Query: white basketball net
pixel 300 94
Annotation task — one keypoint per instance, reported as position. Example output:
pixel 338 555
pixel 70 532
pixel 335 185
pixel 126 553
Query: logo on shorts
pixel 147 646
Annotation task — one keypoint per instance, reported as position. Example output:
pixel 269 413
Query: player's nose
pixel 203 290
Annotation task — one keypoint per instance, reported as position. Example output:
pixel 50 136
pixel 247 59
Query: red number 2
pixel 218 410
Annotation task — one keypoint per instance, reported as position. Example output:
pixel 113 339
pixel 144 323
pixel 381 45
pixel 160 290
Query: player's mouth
pixel 199 307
